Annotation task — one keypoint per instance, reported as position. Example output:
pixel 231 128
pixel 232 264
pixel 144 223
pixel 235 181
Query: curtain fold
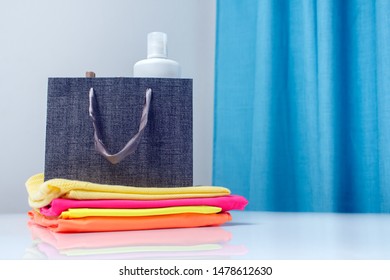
pixel 302 104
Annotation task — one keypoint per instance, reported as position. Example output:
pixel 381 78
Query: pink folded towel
pixel 227 203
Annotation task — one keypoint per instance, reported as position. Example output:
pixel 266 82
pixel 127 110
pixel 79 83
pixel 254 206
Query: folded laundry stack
pixel 76 206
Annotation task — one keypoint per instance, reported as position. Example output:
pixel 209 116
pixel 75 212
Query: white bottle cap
pixel 157 45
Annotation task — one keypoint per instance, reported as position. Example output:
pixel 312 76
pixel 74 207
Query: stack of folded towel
pixel 76 206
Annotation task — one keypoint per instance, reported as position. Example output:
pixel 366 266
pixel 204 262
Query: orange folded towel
pixel 99 224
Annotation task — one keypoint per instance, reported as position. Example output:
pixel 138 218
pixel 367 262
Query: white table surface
pixel 252 235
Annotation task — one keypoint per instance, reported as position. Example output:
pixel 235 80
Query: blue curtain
pixel 302 105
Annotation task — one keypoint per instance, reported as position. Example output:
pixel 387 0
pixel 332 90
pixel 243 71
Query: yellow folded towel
pixel 73 213
pixel 42 193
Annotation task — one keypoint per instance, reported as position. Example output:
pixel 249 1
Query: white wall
pixel 46 38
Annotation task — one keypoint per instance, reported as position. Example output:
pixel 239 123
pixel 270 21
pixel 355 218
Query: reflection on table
pixel 182 243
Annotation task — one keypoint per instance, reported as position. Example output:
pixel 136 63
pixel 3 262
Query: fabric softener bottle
pixel 157 64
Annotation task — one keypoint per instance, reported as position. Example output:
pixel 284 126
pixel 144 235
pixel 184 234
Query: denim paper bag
pixel 120 131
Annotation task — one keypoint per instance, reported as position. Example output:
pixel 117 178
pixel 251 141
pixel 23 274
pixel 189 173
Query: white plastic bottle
pixel 157 64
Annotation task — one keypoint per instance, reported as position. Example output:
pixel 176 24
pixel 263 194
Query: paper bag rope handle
pixel 132 145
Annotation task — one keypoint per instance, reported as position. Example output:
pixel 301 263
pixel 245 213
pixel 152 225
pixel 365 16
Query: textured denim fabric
pixel 164 156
